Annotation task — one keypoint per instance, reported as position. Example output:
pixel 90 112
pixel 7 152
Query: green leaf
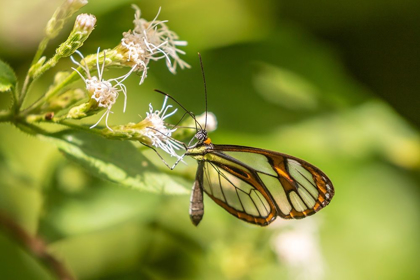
pixel 7 77
pixel 116 161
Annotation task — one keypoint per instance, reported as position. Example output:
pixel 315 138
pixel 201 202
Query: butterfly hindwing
pixel 258 185
pixel 238 194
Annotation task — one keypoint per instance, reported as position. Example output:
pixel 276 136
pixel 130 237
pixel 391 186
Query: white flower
pixel 104 92
pixel 157 131
pixel 208 121
pixel 152 41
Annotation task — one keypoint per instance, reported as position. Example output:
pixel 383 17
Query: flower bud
pixel 83 110
pixel 38 65
pixel 83 26
pixel 85 22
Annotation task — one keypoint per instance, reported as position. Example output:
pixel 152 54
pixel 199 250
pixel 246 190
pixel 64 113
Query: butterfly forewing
pixel 258 185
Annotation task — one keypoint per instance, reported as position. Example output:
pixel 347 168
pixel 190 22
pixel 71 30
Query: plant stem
pixel 6 116
pixel 51 93
pixel 31 128
pixel 46 66
pixel 33 76
pixel 41 48
pixel 81 127
pixel 25 88
pixel 35 246
pixel 28 80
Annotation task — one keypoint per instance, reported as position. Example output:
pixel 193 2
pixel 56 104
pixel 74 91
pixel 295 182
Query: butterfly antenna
pixel 180 120
pixel 205 88
pixel 188 112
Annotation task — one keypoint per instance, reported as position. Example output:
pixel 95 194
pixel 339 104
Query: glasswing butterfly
pixel 252 184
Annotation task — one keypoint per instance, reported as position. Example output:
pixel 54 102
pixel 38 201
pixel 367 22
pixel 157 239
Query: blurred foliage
pixel 300 78
pixel 116 161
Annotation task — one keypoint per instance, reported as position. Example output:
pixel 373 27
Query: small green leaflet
pixel 7 77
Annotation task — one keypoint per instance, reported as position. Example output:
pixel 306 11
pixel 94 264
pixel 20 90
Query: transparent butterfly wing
pixel 258 185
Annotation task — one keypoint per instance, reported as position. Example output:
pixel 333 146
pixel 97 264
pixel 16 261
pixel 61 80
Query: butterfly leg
pixel 163 160
pixel 171 139
pixel 196 201
pixel 151 147
pixel 176 163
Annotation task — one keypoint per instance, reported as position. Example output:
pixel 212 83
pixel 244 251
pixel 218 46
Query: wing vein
pixel 220 183
pixel 256 207
pixel 240 200
pixel 262 202
pixel 316 198
pixel 208 180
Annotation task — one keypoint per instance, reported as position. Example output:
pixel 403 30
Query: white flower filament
pixel 158 133
pixel 102 91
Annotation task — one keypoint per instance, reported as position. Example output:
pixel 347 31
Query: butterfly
pixel 252 184
pixel 255 185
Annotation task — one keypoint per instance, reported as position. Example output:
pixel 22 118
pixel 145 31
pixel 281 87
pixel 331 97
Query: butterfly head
pixel 201 135
pixel 202 138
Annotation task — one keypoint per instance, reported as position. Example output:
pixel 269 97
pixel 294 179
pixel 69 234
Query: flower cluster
pixel 151 131
pixel 104 92
pixel 147 41
pixel 150 40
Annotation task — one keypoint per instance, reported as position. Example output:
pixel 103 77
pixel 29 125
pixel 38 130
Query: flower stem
pixel 41 48
pixel 25 88
pixel 28 80
pixel 46 66
pixel 32 76
pixel 51 93
pixel 35 246
pixel 81 127
pixel 31 128
pixel 5 116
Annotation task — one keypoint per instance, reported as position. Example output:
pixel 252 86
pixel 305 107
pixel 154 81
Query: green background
pixel 333 82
